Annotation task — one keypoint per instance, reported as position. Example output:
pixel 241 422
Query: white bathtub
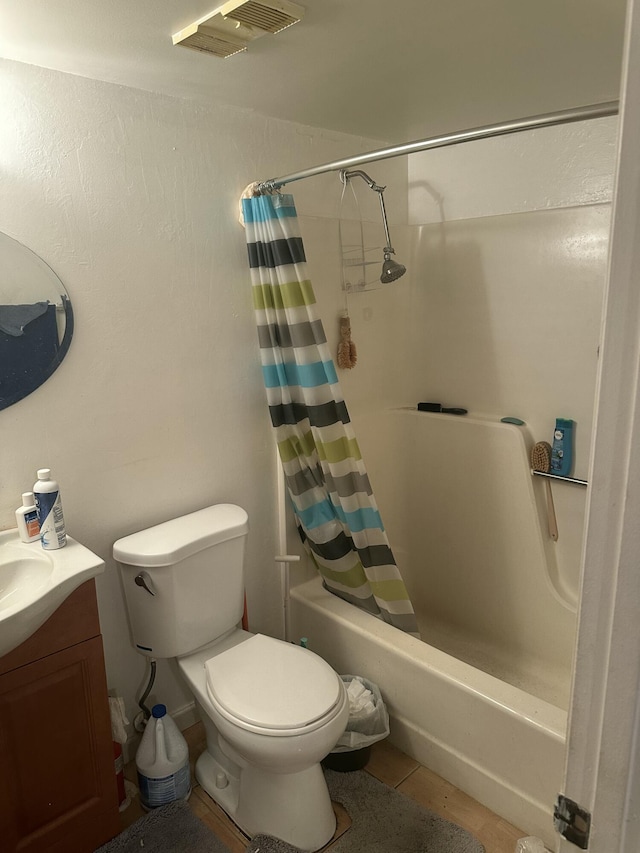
pixel 482 701
pixel 501 745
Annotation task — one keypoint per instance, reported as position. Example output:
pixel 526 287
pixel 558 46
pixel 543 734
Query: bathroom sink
pixel 35 582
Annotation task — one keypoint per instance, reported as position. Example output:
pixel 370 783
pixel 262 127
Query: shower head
pixel 391 270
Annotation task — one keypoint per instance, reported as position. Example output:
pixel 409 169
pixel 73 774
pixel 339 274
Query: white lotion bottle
pixel 27 519
pixel 49 504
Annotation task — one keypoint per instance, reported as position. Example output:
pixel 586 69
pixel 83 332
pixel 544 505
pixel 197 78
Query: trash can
pixel 368 722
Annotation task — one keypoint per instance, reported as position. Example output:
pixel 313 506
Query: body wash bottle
pixel 27 519
pixel 49 504
pixel 562 448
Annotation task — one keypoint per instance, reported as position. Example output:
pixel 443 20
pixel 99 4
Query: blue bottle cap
pixel 158 711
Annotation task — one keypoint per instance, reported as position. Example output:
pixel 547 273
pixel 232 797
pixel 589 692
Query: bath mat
pixel 382 821
pixel 169 829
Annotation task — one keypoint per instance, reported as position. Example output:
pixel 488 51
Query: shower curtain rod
pixel 608 108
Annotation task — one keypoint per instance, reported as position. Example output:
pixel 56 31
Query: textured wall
pixel 563 166
pixel 158 408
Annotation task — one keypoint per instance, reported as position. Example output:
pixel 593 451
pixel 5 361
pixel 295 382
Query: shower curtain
pixel 335 509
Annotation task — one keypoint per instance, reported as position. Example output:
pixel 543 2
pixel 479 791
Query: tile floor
pixel 387 764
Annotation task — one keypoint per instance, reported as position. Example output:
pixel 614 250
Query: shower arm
pixel 388 249
pixel 346 176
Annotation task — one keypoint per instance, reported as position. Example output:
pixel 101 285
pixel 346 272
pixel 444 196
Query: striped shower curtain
pixel 326 479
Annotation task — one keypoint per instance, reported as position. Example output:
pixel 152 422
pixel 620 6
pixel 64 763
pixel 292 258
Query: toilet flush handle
pixel 141 580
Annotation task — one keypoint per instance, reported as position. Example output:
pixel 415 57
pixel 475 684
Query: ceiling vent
pixel 270 17
pixel 211 39
pixel 231 27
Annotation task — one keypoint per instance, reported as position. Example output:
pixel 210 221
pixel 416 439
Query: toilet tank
pixel 184 580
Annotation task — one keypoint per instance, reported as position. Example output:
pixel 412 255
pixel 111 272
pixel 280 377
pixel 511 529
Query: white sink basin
pixel 35 582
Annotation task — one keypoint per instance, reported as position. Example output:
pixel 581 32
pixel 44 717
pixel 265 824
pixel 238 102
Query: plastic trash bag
pixel 368 716
pixel 530 844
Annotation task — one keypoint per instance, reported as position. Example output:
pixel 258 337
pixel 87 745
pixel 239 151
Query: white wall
pixel 562 166
pixel 159 407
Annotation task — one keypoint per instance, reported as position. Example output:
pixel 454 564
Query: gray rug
pixel 382 821
pixel 169 829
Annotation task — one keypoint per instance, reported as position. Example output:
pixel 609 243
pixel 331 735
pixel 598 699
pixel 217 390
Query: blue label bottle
pixel 562 448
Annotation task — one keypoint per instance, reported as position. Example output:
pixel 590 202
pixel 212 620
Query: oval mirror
pixel 36 321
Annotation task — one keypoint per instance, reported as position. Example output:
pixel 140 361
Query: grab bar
pixel 559 477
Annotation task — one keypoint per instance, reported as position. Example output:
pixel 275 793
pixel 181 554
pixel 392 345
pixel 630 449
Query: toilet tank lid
pixel 172 541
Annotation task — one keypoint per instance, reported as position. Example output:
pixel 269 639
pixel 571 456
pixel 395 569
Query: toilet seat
pixel 268 686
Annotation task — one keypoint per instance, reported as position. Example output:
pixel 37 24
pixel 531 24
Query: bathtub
pixel 482 702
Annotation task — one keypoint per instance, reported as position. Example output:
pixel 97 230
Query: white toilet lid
pixel 272 684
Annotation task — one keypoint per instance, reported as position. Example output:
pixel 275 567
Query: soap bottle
pixel 49 504
pixel 562 448
pixel 27 519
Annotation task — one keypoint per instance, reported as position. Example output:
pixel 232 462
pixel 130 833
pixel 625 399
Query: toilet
pixel 271 710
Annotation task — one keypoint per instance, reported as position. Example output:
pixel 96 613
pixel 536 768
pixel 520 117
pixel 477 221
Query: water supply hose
pixel 152 678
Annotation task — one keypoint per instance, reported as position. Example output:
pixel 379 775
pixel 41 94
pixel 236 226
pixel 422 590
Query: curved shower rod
pixel 608 108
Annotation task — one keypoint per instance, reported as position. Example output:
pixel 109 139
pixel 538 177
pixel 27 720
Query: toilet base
pixel 292 806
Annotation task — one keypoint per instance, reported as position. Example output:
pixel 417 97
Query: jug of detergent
pixel 162 762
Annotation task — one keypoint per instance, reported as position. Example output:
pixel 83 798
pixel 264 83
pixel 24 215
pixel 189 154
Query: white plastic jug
pixel 162 762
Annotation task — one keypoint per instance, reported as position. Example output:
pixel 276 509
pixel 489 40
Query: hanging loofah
pixel 347 355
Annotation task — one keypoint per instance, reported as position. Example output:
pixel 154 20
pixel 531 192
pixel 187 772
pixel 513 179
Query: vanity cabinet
pixel 57 780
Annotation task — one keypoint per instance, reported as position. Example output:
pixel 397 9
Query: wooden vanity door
pixel 57 781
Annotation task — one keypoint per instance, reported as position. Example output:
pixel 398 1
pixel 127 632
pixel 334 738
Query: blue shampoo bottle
pixel 562 448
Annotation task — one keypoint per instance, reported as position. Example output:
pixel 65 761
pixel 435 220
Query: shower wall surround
pixel 510 313
pixel 499 313
pixel 500 309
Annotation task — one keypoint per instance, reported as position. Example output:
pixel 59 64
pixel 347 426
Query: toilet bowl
pixel 271 710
